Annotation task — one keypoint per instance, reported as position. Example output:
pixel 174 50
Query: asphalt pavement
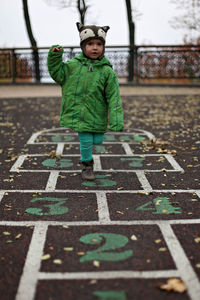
pixel 133 233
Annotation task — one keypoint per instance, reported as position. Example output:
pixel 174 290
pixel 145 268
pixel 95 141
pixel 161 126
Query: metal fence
pixel 139 64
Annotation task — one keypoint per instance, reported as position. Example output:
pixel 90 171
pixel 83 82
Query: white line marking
pixel 28 281
pixel 173 162
pixel 110 275
pixel 183 264
pixel 127 149
pixel 18 163
pixel 98 223
pixel 60 148
pixel 97 163
pixel 51 183
pixel 103 209
pixel 197 192
pixel 1 195
pixel 34 137
pixel 143 181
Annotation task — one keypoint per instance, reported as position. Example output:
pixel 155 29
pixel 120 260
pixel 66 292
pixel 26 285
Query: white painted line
pixel 1 195
pixel 34 137
pixel 198 193
pixel 173 162
pixel 103 210
pixel 183 264
pixel 105 191
pixel 97 166
pixel 97 163
pixel 60 148
pixel 28 281
pixel 18 163
pixel 98 223
pixel 148 134
pixel 127 149
pixel 51 183
pixel 143 181
pixel 109 275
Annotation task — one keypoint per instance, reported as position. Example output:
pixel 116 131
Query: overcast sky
pixel 52 25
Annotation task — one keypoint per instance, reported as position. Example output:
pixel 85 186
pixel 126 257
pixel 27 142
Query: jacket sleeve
pixel 113 98
pixel 56 65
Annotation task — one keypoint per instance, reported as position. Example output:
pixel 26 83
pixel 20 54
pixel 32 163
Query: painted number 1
pixel 112 241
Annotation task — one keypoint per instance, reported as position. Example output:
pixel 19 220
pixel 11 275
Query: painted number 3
pixel 54 207
pixel 112 241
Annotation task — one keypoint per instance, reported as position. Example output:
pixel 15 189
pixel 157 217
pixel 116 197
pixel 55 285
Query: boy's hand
pixel 56 49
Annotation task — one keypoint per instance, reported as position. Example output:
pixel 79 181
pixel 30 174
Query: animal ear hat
pixel 92 32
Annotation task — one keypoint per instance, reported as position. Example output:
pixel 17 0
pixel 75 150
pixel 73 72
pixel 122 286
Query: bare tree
pixel 32 40
pixel 80 5
pixel 189 18
pixel 131 24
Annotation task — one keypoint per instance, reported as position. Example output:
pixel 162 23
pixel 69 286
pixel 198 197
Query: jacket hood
pixel 86 61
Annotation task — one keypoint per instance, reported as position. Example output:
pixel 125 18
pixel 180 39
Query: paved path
pixel 117 238
pixel 10 91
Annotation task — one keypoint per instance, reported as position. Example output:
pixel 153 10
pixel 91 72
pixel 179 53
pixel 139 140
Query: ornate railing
pixel 140 64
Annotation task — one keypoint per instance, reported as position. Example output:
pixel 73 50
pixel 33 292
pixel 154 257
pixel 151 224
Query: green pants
pixel 87 140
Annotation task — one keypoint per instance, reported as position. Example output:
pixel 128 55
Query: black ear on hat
pixel 79 26
pixel 105 28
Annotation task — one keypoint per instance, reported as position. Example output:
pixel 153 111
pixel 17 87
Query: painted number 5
pixel 112 241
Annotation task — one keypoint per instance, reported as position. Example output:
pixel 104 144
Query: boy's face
pixel 94 48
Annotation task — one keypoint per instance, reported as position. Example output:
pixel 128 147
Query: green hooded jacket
pixel 90 90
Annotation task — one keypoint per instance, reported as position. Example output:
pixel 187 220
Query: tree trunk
pixel 32 40
pixel 131 26
pixel 82 8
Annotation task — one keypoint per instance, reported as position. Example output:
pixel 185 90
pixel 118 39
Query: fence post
pixel 131 64
pixel 136 65
pixel 14 66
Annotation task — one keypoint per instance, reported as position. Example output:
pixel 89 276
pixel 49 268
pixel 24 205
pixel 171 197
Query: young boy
pixel 90 90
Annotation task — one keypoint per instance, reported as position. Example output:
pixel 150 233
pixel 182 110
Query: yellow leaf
pixel 45 256
pixel 57 261
pixel 81 253
pixel 68 248
pixel 162 249
pixel 6 233
pixel 197 240
pixel 18 236
pixel 157 241
pixel 133 237
pixel 96 263
pixel 174 284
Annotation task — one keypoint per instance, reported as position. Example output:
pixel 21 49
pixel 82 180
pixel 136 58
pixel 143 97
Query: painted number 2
pixel 112 241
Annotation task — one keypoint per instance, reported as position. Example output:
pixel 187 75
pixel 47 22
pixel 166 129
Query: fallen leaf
pixel 174 284
pixel 68 248
pixel 120 212
pixel 18 236
pixel 6 233
pixel 197 240
pixel 162 249
pixel 57 261
pixel 133 237
pixel 96 263
pixel 45 256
